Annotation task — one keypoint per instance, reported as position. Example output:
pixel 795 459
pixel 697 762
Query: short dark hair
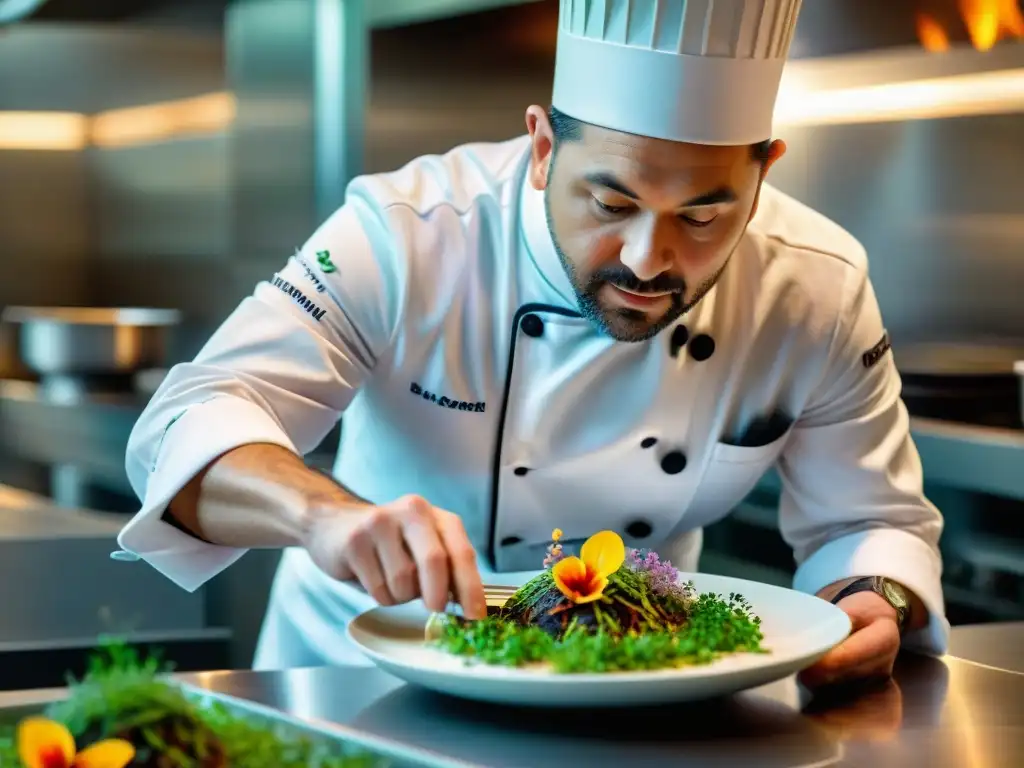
pixel 566 128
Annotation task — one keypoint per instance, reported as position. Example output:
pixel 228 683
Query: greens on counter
pixel 123 698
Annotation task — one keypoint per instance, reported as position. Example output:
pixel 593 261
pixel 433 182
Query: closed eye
pixel 613 210
pixel 697 222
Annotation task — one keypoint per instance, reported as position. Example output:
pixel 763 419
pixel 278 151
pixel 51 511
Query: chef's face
pixel 644 227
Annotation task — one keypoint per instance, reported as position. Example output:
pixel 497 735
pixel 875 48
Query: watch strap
pixel 877 584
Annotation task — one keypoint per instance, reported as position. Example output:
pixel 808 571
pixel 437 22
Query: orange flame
pixel 931 34
pixel 987 22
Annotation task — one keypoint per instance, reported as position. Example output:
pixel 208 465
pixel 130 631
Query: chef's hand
pixel 399 552
pixel 869 651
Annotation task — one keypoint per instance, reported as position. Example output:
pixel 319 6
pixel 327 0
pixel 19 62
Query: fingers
pixel 868 652
pixel 365 564
pixel 421 537
pixel 469 588
pixel 410 549
pixel 397 562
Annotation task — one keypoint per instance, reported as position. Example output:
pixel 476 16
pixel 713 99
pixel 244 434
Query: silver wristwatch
pixel 888 589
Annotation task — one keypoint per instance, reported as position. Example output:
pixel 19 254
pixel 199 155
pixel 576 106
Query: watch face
pixel 894 594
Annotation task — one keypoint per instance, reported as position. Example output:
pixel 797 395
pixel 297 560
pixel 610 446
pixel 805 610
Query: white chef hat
pixel 699 71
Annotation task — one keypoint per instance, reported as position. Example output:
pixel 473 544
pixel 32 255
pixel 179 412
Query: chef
pixel 612 322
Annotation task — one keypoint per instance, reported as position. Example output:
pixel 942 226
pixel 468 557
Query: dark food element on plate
pixel 608 609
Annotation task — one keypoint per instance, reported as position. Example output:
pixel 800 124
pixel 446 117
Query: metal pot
pixel 91 340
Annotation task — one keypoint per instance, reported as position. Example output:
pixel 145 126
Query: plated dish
pixel 609 609
pixel 609 627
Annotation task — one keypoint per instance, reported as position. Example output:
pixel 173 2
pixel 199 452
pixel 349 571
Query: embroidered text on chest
pixel 445 402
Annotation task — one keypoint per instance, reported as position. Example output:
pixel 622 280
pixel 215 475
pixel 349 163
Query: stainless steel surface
pixel 959 359
pixel 340 100
pixel 937 205
pixel 835 27
pixel 971 458
pixel 996 645
pixel 949 712
pixel 270 50
pixel 66 340
pixel 965 709
pixel 57 580
pixel 90 432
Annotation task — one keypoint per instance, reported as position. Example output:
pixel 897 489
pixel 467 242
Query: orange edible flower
pixel 44 743
pixel 583 579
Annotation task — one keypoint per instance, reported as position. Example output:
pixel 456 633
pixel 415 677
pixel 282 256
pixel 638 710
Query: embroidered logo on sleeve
pixel 873 355
pixel 300 298
pixel 323 258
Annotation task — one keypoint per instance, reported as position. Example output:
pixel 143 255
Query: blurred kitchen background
pixel 169 154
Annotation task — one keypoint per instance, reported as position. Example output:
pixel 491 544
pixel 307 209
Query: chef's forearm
pixel 257 496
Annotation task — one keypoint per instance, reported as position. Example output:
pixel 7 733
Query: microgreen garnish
pixel 715 626
pixel 606 611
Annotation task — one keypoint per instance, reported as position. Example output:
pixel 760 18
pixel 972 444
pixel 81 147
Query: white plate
pixel 798 630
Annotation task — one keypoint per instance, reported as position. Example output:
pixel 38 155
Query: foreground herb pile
pixel 610 609
pixel 122 714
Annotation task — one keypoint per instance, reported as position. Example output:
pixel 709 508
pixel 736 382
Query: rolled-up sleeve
pixel 280 370
pixel 853 502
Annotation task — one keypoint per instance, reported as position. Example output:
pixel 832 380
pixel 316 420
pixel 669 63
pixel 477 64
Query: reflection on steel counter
pixel 948 712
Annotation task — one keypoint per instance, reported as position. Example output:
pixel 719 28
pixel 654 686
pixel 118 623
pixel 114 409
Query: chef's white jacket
pixel 433 312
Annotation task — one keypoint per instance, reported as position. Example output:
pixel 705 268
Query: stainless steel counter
pixel 963 710
pixel 77 592
pixel 950 712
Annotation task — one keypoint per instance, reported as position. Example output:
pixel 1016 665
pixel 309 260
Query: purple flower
pixel 662 576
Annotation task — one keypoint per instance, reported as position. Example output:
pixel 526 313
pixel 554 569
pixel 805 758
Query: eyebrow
pixel 714 197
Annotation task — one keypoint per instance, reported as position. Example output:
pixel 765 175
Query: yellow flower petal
pixel 42 742
pixel 112 753
pixel 604 552
pixel 556 534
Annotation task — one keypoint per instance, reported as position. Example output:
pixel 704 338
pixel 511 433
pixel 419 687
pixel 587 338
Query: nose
pixel 645 247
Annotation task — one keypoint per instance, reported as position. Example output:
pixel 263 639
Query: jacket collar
pixel 551 284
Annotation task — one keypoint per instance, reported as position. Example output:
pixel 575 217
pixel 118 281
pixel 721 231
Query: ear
pixel 775 152
pixel 542 146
